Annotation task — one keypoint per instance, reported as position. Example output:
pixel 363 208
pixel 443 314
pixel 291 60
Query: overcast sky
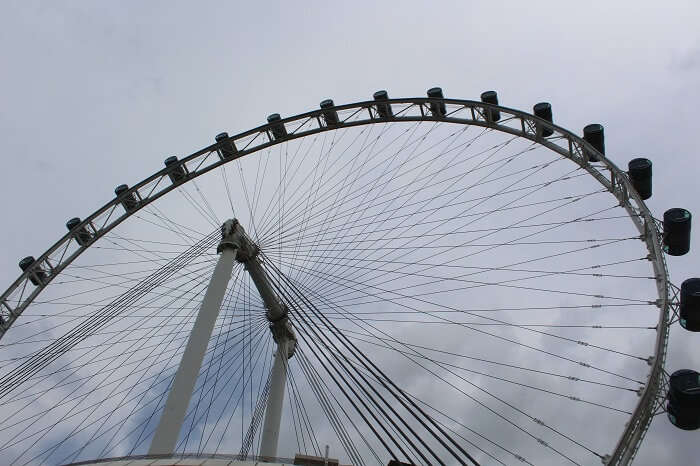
pixel 95 94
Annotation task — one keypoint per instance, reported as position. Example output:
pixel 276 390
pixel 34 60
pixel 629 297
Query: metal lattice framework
pixel 465 112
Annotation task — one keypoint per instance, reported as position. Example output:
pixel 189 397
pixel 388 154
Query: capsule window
pixel 383 109
pixel 330 116
pixel 676 237
pixel 491 97
pixel 594 135
pixel 176 171
pixel 690 305
pixel 276 126
pixel 683 407
pixel 128 200
pixel 436 108
pixel 37 275
pixel 226 146
pixel 543 110
pixel 639 172
pixel 81 234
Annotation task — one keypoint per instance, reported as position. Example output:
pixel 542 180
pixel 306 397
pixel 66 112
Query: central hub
pixel 233 236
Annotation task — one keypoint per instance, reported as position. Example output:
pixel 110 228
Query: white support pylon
pixel 168 430
pixel 275 401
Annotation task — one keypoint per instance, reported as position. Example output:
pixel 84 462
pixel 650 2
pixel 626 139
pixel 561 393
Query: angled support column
pixel 165 437
pixel 275 402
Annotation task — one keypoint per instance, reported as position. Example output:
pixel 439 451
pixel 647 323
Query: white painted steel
pixel 166 434
pixel 275 401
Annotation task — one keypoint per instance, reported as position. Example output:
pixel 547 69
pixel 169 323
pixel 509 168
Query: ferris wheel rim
pixel 530 127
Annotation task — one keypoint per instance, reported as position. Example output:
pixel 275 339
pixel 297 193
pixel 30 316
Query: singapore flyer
pixel 353 278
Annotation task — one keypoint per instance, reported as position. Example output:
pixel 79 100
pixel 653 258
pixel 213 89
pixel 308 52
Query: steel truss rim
pixel 530 127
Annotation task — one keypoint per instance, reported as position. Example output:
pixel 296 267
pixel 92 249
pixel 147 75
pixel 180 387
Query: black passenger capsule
pixel 383 109
pixel 640 176
pixel 176 171
pixel 676 239
pixel 277 127
pixel 38 276
pixel 491 97
pixel 227 148
pixel 81 234
pixel 690 305
pixel 330 116
pixel 25 263
pixel 594 135
pixel 436 108
pixel 544 110
pixel 683 408
pixel 128 200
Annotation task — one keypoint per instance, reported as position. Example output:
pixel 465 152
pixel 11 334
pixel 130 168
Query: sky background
pixel 95 94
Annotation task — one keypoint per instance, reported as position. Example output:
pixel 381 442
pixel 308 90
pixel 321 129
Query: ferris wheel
pixel 394 281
